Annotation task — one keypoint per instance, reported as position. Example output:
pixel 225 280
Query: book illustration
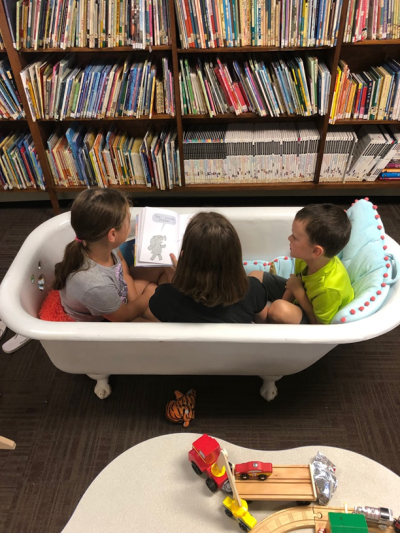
pixel 156 246
pixel 159 234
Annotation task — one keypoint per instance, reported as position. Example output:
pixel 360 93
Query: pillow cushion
pixel 369 262
pixel 282 266
pixel 52 309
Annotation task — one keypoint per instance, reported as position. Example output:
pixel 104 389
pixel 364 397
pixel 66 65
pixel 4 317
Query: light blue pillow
pixel 369 262
pixel 284 266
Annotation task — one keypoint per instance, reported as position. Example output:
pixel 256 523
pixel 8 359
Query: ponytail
pixel 73 260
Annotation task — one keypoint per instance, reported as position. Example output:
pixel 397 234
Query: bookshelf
pixel 359 55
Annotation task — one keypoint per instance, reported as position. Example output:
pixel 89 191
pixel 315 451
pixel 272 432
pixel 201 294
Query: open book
pixel 159 232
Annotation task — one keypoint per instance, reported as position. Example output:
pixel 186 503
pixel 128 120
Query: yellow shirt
pixel 328 290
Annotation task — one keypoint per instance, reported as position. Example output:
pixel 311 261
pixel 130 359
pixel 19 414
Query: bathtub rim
pixel 20 321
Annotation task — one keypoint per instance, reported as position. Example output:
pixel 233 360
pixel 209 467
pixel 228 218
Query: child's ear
pixel 112 235
pixel 318 251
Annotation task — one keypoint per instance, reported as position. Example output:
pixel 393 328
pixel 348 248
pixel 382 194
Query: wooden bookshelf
pixel 361 54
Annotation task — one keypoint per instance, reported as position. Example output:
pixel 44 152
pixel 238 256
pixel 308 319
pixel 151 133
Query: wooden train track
pixel 299 518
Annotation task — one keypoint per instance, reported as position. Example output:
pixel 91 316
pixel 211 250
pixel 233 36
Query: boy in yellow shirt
pixel 320 286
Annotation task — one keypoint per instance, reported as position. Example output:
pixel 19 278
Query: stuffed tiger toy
pixel 181 409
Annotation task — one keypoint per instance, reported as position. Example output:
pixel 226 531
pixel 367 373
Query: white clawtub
pixel 101 349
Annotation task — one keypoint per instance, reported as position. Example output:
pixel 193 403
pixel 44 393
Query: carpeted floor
pixel 65 435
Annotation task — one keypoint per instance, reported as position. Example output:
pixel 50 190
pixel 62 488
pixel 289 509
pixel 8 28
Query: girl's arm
pixel 133 309
pixel 132 291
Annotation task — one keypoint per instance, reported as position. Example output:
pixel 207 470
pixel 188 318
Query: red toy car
pixel 253 470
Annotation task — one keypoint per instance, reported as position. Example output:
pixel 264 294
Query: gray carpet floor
pixel 65 435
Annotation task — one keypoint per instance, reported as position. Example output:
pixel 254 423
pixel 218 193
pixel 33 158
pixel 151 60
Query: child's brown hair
pixel 326 225
pixel 210 268
pixel 94 212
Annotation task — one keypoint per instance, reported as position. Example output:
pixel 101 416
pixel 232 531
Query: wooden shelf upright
pixel 360 55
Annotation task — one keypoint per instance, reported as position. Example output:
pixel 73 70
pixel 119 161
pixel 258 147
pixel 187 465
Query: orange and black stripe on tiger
pixel 181 409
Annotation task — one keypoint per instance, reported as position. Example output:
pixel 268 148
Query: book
pixel 159 233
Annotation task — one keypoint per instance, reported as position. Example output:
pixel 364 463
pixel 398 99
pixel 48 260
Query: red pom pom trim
pixel 372 298
pixel 378 292
pixel 245 263
pixel 352 311
pixel 343 319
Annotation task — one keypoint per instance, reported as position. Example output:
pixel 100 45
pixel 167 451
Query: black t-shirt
pixel 170 305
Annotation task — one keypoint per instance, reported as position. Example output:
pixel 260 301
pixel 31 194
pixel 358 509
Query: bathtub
pixel 99 350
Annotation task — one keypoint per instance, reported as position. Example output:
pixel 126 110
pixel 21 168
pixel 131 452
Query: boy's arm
pixel 295 286
pixel 288 296
pixel 132 292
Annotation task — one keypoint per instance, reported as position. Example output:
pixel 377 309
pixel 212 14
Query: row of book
pixel 250 153
pixel 361 156
pixel 90 23
pixel 280 23
pixel 371 95
pixel 60 89
pixel 372 19
pixel 283 87
pixel 392 169
pixel 19 164
pixel 97 158
pixel 10 102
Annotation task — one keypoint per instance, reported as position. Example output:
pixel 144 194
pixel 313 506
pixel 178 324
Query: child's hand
pixel 170 271
pixel 295 285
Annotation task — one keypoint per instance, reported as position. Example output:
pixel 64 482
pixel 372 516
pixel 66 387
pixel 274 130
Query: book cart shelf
pixel 359 55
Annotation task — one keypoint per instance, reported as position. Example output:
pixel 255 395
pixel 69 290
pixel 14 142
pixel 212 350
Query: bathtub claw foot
pixel 102 388
pixel 269 390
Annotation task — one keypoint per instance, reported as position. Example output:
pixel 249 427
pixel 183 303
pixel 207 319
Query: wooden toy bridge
pixel 315 516
pixel 286 483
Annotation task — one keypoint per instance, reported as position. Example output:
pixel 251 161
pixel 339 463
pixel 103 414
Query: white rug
pixel 152 488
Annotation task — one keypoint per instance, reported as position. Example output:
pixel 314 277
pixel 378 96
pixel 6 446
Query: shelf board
pixel 109 119
pixel 248 187
pixel 356 121
pixel 226 49
pixel 13 120
pixel 248 116
pixel 95 50
pixel 20 191
pixel 378 42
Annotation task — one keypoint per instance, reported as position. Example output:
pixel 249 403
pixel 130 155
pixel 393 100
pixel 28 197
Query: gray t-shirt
pixel 99 290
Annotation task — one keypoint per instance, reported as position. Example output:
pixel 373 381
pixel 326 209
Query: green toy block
pixel 347 523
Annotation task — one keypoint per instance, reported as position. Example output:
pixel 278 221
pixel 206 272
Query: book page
pixel 158 236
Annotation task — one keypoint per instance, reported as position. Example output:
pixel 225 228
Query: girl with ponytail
pixel 93 278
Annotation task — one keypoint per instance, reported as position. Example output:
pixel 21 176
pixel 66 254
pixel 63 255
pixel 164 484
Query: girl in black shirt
pixel 210 284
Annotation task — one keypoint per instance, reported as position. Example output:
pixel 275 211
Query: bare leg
pixel 283 312
pixel 142 276
pixel 269 390
pixel 102 388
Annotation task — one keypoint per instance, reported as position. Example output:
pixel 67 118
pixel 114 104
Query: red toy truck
pixel 253 470
pixel 203 457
